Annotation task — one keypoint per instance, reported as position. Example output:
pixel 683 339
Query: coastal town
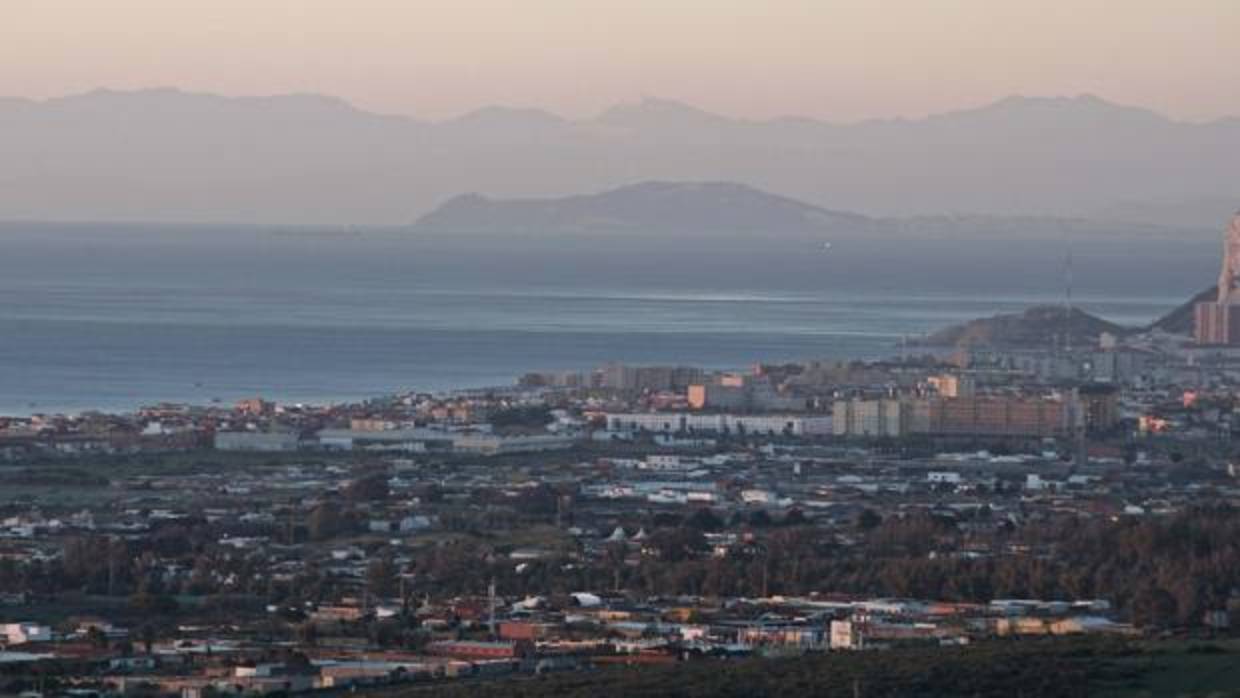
pixel 628 515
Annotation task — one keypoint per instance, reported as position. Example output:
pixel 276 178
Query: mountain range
pixel 173 155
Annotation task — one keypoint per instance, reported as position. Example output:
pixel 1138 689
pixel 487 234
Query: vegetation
pixel 1159 572
pixel 1043 667
pixel 521 418
pixel 1037 326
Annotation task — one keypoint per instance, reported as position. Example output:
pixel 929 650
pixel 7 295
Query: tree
pixel 368 488
pixel 704 520
pixel 521 418
pixel 758 518
pixel 615 556
pixel 381 577
pixel 676 545
pixel 868 520
pixel 96 637
pixel 1154 607
pixel 154 604
pixel 147 635
pixel 430 493
pixel 541 500
pixel 308 634
pixel 325 522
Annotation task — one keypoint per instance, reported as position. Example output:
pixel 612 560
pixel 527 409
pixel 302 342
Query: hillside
pixel 1039 326
pixel 681 207
pixel 1029 667
pixel 1180 320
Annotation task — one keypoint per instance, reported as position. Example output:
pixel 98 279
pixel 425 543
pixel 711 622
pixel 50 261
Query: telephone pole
pixel 491 604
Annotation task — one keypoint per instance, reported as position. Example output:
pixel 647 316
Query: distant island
pixel 645 207
pixel 707 210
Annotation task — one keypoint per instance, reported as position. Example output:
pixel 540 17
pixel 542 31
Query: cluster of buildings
pixel 537 635
pixel 400 440
pixel 1092 409
pixel 383 613
pixel 617 376
pixel 690 423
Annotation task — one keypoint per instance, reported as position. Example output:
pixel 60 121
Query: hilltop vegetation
pixel 1039 326
pixel 1044 325
pixel 1180 320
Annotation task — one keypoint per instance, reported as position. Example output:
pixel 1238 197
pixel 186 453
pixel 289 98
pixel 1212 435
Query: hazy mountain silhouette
pixel 675 212
pixel 168 154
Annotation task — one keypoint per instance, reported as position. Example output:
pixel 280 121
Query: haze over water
pixel 113 317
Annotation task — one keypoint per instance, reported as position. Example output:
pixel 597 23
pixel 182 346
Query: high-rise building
pixel 1218 321
pixel 1017 416
pixel 871 418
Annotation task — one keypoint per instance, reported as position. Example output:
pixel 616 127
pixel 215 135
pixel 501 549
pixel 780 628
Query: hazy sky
pixel 835 59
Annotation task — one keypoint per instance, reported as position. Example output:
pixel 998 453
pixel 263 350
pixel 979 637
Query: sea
pixel 116 316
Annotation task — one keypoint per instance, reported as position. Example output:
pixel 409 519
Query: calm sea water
pixel 112 317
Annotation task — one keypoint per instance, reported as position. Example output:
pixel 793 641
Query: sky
pixel 831 59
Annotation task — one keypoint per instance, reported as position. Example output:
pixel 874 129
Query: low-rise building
pixel 265 441
pixel 740 424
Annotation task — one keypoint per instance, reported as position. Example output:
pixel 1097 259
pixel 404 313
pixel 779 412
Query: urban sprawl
pixel 629 515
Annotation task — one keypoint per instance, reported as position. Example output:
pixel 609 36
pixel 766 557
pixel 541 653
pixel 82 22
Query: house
pixel 22 633
pixel 140 663
pixel 845 635
pixel 467 649
pixel 268 442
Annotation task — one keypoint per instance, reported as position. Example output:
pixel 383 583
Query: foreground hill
pixel 1180 320
pixel 1029 667
pixel 681 207
pixel 1044 325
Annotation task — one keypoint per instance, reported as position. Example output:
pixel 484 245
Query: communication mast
pixel 1068 301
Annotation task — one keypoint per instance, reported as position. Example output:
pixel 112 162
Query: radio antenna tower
pixel 1067 273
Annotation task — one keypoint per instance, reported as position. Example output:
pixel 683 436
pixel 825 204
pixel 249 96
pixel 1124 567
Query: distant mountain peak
pixel 177 97
pixel 651 111
pixel 497 114
pixel 1085 105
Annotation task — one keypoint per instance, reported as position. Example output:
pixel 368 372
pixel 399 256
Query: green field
pixel 1182 669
